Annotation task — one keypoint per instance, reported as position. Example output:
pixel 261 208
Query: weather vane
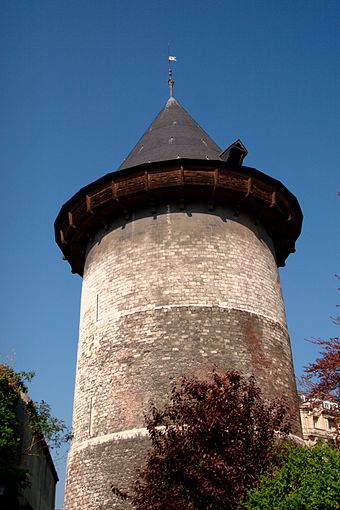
pixel 171 58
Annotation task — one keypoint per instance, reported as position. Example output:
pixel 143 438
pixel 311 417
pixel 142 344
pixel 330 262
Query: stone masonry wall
pixel 163 295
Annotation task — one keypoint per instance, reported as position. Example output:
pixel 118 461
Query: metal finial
pixel 171 58
pixel 170 82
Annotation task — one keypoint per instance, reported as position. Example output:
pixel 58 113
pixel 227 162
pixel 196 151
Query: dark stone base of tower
pixel 179 261
pixel 112 469
pixel 184 343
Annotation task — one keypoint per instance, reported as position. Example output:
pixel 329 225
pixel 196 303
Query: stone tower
pixel 178 251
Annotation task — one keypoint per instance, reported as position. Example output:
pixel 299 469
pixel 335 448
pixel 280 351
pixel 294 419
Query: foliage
pixel 44 427
pixel 11 384
pixel 322 379
pixel 307 479
pixel 210 443
pixel 49 430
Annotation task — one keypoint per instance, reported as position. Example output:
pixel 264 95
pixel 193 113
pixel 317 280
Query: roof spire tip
pixel 171 58
pixel 171 85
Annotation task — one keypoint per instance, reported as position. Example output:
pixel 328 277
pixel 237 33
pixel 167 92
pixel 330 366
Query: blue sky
pixel 80 82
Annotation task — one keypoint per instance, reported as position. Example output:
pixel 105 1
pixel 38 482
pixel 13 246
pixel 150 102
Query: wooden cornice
pixel 212 182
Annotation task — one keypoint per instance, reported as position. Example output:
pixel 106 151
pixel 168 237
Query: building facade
pixel 179 252
pixel 317 419
pixel 35 458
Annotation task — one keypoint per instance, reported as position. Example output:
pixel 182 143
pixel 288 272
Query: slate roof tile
pixel 173 134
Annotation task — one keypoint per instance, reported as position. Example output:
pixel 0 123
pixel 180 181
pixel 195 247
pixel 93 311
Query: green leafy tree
pixel 209 444
pixel 12 475
pixel 308 479
pixel 47 431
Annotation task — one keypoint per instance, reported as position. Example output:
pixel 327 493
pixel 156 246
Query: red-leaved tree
pixel 321 380
pixel 209 444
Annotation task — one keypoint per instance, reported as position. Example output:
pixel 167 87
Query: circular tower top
pixel 175 160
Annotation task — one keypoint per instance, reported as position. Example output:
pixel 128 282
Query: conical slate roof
pixel 173 134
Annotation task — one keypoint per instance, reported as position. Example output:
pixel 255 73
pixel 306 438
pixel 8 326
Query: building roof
pixel 176 161
pixel 172 135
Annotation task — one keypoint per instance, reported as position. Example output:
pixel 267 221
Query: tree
pixel 209 444
pixel 322 379
pixel 47 431
pixel 12 475
pixel 308 479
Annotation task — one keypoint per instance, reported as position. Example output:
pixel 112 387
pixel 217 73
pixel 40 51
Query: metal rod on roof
pixel 171 58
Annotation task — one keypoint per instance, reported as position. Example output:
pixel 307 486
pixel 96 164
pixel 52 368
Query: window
pixel 331 424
